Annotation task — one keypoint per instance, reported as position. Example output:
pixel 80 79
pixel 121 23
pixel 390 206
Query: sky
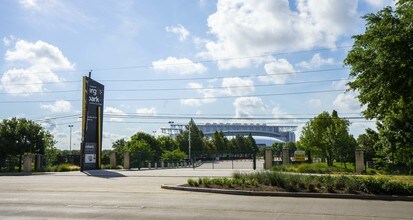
pixel 276 62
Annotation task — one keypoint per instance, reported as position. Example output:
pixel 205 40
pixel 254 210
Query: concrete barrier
pixel 112 157
pixel 27 163
pixel 126 160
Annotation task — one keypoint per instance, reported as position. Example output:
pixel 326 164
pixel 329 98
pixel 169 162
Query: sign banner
pixel 92 120
pixel 299 155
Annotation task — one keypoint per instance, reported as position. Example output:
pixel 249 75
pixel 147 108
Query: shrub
pixel 192 182
pixel 67 167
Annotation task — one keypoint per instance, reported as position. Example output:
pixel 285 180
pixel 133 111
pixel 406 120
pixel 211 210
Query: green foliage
pixel 320 168
pixel 173 155
pixel 62 168
pixel 328 137
pixel 324 183
pixel 382 72
pixel 19 136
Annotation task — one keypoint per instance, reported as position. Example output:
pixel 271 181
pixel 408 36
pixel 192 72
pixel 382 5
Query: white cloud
pixel 58 106
pixel 8 40
pixel 379 3
pixel 181 66
pixel 246 106
pixel 347 102
pixel 250 28
pixel 179 30
pixel 49 124
pixel 38 54
pixel 116 114
pixel 279 71
pixel 29 4
pixel 232 86
pixel 316 103
pixel 34 64
pixel 191 102
pixel 342 84
pixel 316 62
pixel 208 95
pixel 237 86
pixel 282 116
pixel 147 111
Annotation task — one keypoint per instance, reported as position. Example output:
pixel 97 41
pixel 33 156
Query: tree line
pixel 145 147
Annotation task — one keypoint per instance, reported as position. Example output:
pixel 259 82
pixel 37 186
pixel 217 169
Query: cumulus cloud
pixel 147 111
pixel 342 84
pixel 251 28
pixel 33 64
pixel 347 102
pixel 183 66
pixel 246 106
pixel 8 40
pixel 180 30
pixel 316 62
pixel 58 106
pixel 29 4
pixel 278 72
pixel 282 117
pixel 237 86
pixel 208 95
pixel 49 124
pixel 115 114
pixel 232 86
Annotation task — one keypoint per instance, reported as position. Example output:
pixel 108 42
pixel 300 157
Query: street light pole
pixel 70 140
pixel 189 143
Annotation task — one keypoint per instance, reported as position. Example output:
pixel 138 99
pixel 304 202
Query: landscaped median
pixel 270 183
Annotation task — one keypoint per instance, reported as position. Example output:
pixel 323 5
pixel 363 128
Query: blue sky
pixel 263 61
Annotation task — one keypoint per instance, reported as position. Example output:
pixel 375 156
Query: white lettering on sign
pixel 94 99
pixel 93 91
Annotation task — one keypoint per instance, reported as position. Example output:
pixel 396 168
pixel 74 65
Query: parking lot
pixel 109 194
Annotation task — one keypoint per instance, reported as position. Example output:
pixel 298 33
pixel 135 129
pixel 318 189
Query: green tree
pixel 277 148
pixel 327 136
pixel 197 140
pixel 253 147
pixel 20 136
pixel 173 155
pixel 382 72
pixel 151 149
pixel 368 142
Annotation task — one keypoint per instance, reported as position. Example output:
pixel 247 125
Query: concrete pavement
pixel 106 194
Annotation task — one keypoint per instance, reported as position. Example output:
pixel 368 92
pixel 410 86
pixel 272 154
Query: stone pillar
pixel 112 157
pixel 360 167
pixel 149 165
pixel 38 162
pixel 286 156
pixel 169 165
pixel 162 164
pixel 126 160
pixel 27 163
pixel 268 156
pixel 156 165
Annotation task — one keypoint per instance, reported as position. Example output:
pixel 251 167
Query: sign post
pixel 92 120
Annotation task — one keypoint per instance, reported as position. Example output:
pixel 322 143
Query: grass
pixel 62 168
pixel 278 181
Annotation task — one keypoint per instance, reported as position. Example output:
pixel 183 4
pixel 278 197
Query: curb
pixel 290 194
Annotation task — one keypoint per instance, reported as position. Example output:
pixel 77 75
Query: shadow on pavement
pixel 103 173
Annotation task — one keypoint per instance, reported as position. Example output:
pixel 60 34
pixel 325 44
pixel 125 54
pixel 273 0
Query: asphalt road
pixel 138 195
